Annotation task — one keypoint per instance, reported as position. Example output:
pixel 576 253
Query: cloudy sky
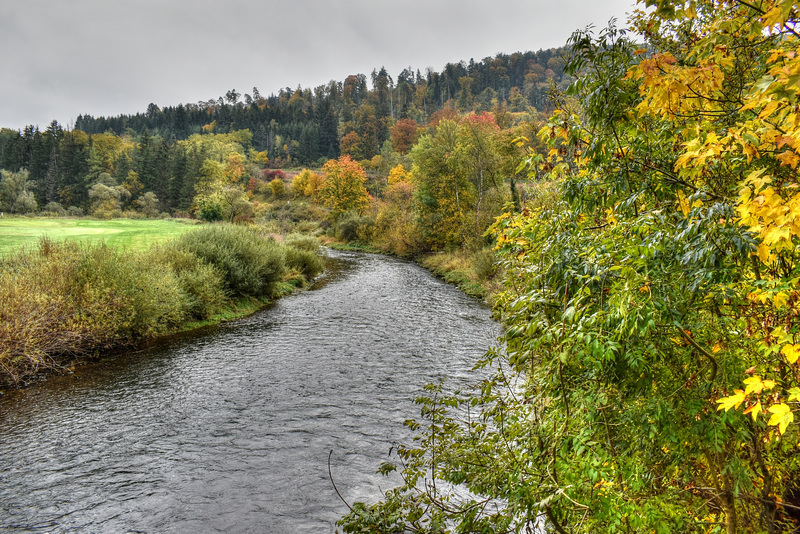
pixel 109 57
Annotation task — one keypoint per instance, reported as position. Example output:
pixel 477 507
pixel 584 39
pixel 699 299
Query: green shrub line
pixel 67 301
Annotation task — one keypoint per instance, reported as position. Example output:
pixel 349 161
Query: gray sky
pixel 108 57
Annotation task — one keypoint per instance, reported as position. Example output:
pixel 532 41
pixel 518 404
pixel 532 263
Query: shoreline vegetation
pixel 67 301
pixel 644 225
pixel 71 300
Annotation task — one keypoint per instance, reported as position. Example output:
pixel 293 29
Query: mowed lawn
pixel 18 232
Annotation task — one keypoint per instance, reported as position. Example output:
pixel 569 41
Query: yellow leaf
pixel 780 300
pixel 794 394
pixel 792 352
pixel 781 416
pixel 734 401
pixel 683 203
pixel 768 109
pixel 756 385
pixel 754 410
pixel 764 253
pixel 775 234
pixel 788 158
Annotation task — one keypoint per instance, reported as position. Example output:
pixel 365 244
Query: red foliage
pixel 404 134
pixel 482 119
pixel 444 113
pixel 269 174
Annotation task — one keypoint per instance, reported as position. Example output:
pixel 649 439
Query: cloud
pixel 107 58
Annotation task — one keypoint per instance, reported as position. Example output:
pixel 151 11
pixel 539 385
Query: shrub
pixel 250 264
pixel 484 264
pixel 302 242
pixel 125 296
pixel 209 210
pixel 352 227
pixel 75 211
pixel 346 227
pixel 278 188
pixel 203 284
pixel 55 208
pixel 306 262
pixel 67 299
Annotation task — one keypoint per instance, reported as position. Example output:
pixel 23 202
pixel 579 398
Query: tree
pixel 479 134
pixel 278 188
pixel 343 186
pixel 650 378
pixel 404 134
pixel 149 204
pixel 15 194
pixel 107 199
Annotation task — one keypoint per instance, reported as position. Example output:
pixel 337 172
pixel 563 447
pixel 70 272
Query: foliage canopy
pixel 649 377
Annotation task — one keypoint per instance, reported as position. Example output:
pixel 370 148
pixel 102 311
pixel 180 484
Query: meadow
pixel 133 234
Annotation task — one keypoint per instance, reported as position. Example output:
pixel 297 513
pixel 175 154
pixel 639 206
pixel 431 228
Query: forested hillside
pixel 163 151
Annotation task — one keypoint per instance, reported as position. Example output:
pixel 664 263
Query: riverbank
pixel 65 302
pixel 229 428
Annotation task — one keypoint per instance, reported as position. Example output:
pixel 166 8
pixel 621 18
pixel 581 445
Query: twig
pixel 330 475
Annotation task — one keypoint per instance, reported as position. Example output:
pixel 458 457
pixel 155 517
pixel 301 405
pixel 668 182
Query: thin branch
pixel 330 475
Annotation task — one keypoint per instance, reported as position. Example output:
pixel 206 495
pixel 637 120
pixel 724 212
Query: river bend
pixel 229 430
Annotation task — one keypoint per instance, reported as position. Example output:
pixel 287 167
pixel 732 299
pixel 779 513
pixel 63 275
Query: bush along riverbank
pixel 63 301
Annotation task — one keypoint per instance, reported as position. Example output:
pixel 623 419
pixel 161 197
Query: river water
pixel 230 430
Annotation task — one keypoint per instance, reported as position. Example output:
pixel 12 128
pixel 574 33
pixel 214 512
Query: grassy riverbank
pixel 133 234
pixel 66 300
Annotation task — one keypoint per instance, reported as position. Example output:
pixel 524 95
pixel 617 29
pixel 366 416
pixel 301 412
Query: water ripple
pixel 230 431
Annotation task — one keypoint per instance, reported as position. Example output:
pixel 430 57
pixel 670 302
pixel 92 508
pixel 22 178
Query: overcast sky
pixel 62 58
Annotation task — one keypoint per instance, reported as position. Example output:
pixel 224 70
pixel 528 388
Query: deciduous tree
pixel 343 187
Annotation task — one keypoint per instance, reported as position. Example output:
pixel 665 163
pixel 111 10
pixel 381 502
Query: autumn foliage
pixel 343 187
pixel 650 377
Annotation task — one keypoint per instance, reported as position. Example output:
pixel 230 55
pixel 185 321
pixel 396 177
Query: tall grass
pixel 63 300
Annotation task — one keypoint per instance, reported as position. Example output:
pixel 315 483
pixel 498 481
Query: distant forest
pixel 300 127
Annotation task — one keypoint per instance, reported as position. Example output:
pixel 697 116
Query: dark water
pixel 230 431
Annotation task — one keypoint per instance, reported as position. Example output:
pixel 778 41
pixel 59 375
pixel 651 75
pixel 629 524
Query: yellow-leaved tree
pixel 342 189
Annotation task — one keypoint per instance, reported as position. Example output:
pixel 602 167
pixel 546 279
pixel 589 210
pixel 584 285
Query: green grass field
pixel 18 232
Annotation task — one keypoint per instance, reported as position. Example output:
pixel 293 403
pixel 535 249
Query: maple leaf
pixel 756 385
pixel 734 401
pixel 792 352
pixel 754 410
pixel 781 416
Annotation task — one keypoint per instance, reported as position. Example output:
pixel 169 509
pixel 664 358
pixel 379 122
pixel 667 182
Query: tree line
pixel 307 124
pixel 160 160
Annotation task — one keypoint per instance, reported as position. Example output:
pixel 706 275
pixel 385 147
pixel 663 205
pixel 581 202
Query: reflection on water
pixel 230 431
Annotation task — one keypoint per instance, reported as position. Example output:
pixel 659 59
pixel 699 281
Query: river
pixel 229 429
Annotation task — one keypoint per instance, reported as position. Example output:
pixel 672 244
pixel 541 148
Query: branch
pixel 703 351
pixel 330 475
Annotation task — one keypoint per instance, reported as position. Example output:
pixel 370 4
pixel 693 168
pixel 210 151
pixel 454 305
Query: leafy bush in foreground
pixel 203 284
pixel 64 299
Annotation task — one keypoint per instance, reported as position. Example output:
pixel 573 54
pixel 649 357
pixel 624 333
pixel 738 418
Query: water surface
pixel 230 430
